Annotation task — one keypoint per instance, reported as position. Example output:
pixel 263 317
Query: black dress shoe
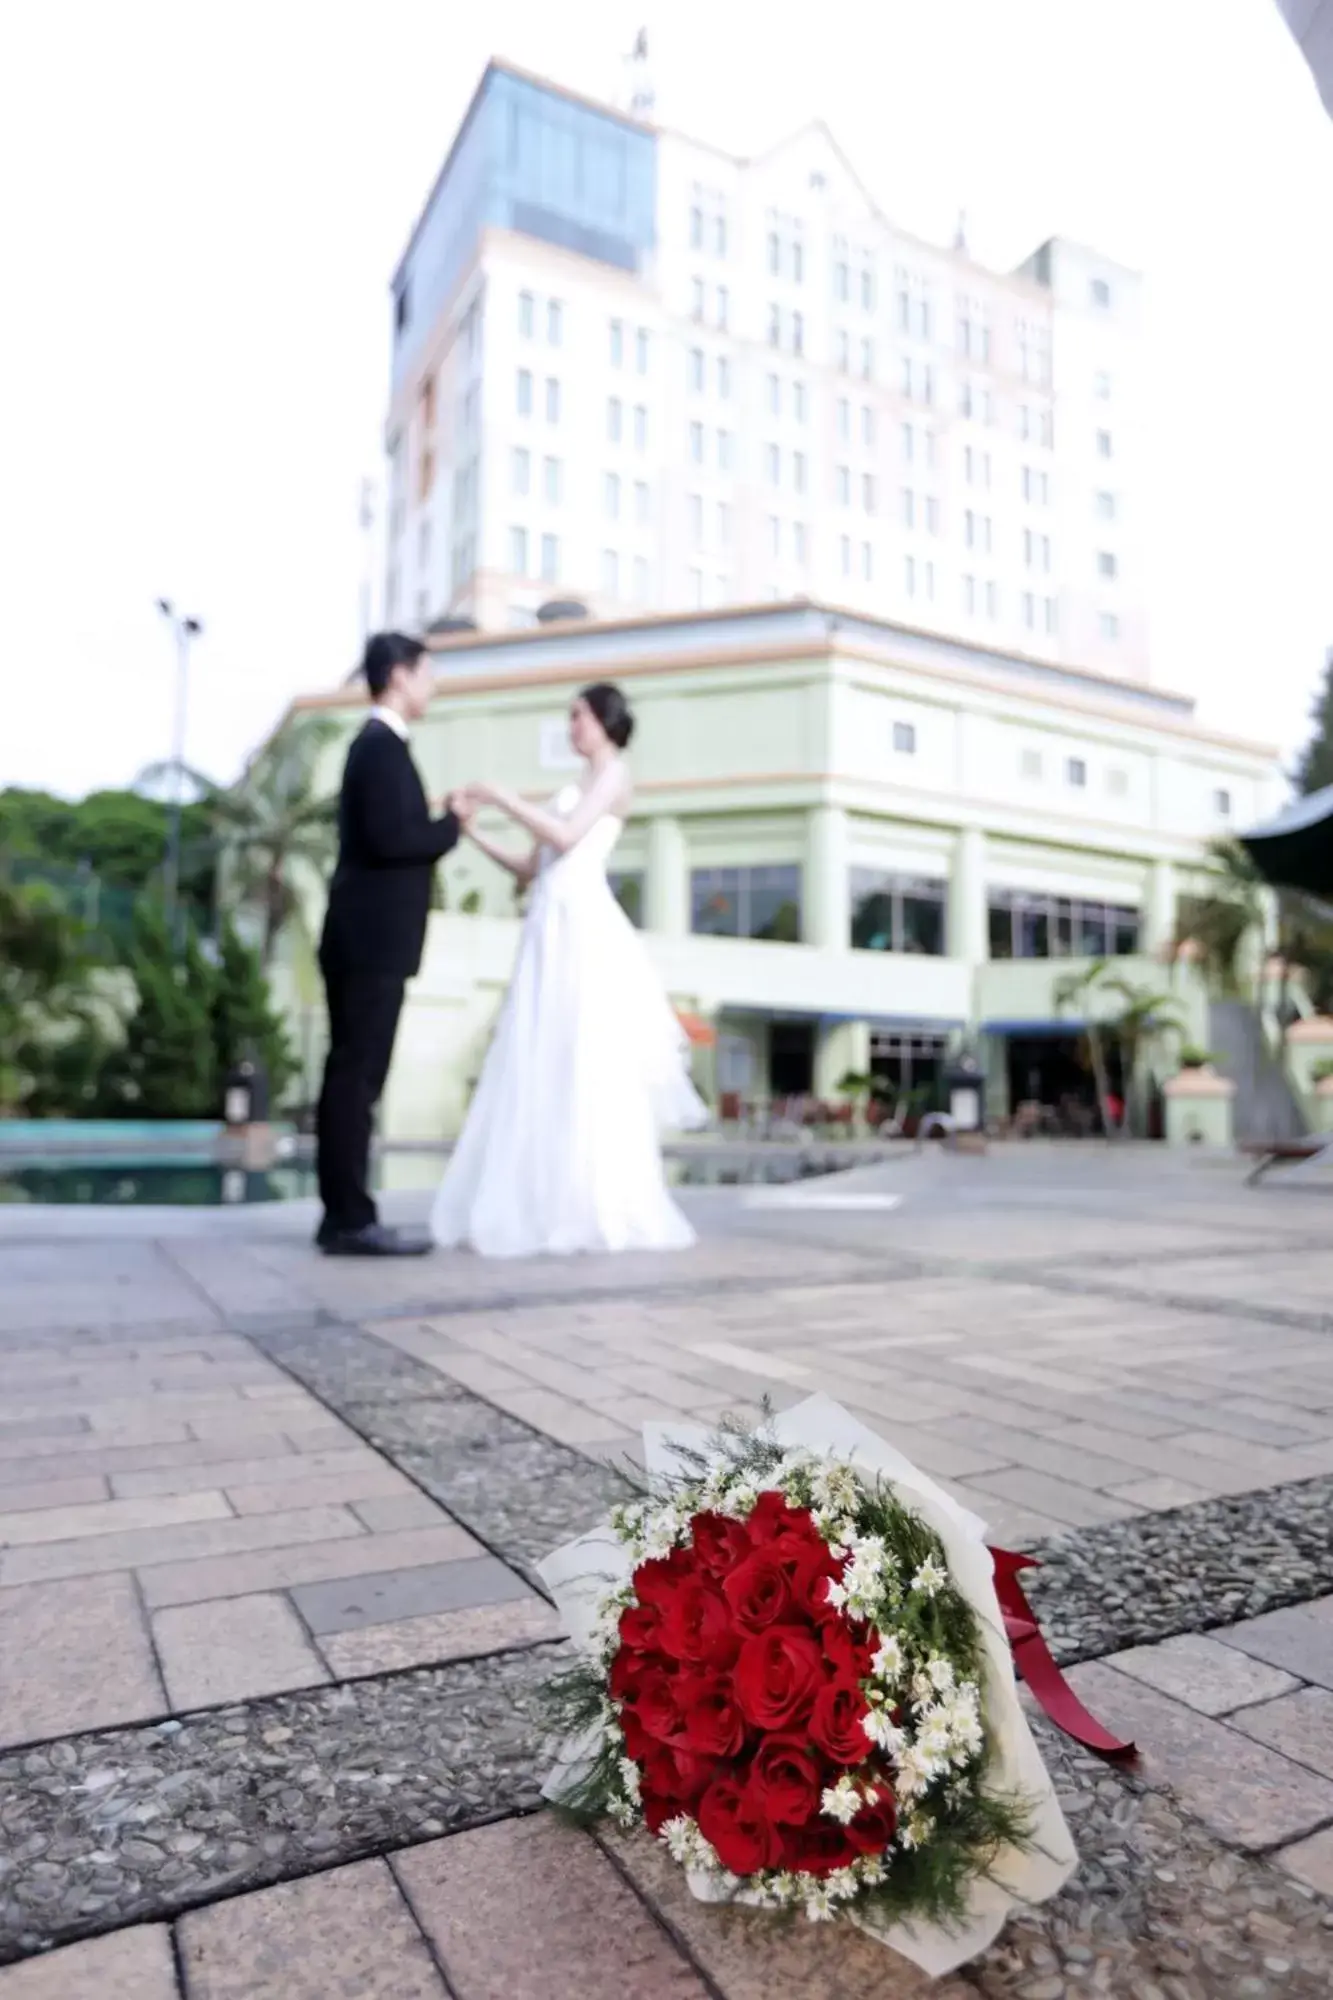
pixel 375 1240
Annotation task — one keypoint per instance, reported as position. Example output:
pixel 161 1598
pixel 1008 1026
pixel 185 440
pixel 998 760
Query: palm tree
pixel 273 821
pixel 1215 925
pixel 1133 1025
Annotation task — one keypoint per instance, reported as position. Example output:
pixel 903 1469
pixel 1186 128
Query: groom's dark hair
pixel 385 651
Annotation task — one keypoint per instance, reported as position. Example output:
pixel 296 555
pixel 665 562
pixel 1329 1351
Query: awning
pixel 702 1033
pixel 1065 1029
pixel 1295 850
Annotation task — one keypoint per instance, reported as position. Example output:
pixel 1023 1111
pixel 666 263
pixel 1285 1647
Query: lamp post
pixel 184 630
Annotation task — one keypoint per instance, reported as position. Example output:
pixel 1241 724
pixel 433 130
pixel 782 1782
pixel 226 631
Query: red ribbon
pixel 1036 1666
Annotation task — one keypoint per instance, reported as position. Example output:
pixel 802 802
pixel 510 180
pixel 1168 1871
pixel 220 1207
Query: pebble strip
pixel 111 1828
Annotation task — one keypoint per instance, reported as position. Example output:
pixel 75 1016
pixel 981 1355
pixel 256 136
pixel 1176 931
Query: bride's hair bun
pixel 612 710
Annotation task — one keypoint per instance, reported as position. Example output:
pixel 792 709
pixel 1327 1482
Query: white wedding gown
pixel 561 1150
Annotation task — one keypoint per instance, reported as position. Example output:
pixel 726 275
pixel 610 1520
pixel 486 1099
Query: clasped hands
pixel 464 802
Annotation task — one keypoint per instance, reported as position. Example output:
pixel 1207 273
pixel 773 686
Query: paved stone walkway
pixel 268 1626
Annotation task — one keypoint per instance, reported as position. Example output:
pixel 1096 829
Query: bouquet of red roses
pixel 795 1674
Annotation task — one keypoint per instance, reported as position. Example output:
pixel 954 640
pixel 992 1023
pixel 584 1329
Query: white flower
pixel 842 1884
pixel 622 1812
pixel 870 1870
pixel 739 1501
pixel 940 1672
pixel 915 1831
pixel 835 1594
pixel 913 1772
pixel 820 1907
pixel 930 1579
pixel 841 1801
pixel 888 1662
pixel 682 1839
pixel 882 1731
pixel 629 1778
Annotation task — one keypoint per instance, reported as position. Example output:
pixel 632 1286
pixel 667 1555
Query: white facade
pixel 790 397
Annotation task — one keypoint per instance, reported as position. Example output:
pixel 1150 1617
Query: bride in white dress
pixel 561 1149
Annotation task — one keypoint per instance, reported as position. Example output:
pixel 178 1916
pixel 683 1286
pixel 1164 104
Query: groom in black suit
pixel 374 931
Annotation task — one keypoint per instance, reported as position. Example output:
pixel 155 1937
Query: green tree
pixel 274 821
pixel 112 840
pixel 46 993
pixel 1117 1015
pixel 1219 921
pixel 245 1022
pixel 1315 769
pixel 168 1066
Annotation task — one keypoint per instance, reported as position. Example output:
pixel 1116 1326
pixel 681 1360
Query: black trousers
pixel 363 1019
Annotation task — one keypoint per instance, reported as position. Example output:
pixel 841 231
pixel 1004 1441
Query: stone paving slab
pixel 128 1965
pixel 233 1649
pixel 581 1933
pixel 382 1598
pixel 1299 1639
pixel 1202 1673
pixel 296 1561
pixel 345 1935
pixel 1299 1724
pixel 74 1655
pixel 444 1635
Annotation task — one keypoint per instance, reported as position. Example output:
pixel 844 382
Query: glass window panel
pixel 1033 928
pixel 774 900
pixel 922 924
pixel 627 888
pixel 1124 932
pixel 1090 930
pixel 715 902
pixel 1001 928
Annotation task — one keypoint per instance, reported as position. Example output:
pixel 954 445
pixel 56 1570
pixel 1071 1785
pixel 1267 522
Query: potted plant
pixel 1193 1057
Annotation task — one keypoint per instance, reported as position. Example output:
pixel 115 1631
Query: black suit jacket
pixel 388 845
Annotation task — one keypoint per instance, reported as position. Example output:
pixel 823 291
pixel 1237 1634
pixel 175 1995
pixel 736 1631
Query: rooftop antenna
pixel 642 96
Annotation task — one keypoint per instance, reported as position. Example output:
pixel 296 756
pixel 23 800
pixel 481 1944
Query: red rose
pixel 656 1809
pixel 675 1774
pixel 732 1822
pixel 849 1648
pixel 807 1563
pixel 772 1516
pixel 628 1673
pixel 777 1675
pixel 817 1848
pixel 835 1722
pixel 640 1625
pixel 697 1626
pixel 657 1581
pixel 873 1828
pixel 638 1743
pixel 653 1703
pixel 712 1725
pixel 785 1780
pixel 757 1591
pixel 719 1542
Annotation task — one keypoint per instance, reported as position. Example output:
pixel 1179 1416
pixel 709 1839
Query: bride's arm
pixel 553 829
pixel 521 866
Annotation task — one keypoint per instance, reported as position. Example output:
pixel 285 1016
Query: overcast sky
pixel 204 204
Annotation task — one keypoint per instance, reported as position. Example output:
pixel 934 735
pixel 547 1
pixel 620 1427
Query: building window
pixel 521 470
pixel 798 474
pixel 696 228
pixel 642 503
pixel 610 573
pixel 844 419
pixel 627 888
pixel 747 903
pixel 696 587
pixel 723 524
pixel 908 443
pixel 904 738
pixel 518 551
pixel 1117 782
pixel 551 470
pixel 932 515
pixel 867 360
pixel 1102 385
pixel 772 463
pixel 723 377
pixel 867 562
pixel 992 601
pixel 611 495
pixel 909 575
pixel 1052 616
pixel 526 314
pixel 798 401
pixel 1030 763
pixel 617 343
pixel 797 333
pixel 723 307
pixel 697 370
pixel 524 392
pixel 697 443
pixel 1222 804
pixel 1106 563
pixel 867 425
pixel 641 350
pixel 555 323
pixel 1076 772
pixel 615 419
pixel 697 300
pixel 1029 611
pixel 1103 444
pixel 1101 293
pixel 868 491
pixel 1024 925
pixel 898 913
pixel 550 559
pixel 798 543
pixel 1110 625
pixel 640 428
pixel 1106 506
pixel 774 396
pixel 970 595
pixel 843 486
pixel 552 400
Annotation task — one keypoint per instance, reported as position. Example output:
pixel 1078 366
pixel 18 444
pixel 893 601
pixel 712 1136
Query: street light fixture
pixel 185 630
